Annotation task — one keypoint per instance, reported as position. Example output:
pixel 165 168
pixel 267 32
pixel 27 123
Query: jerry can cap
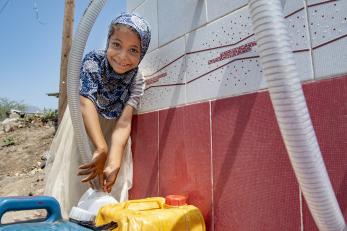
pixel 176 200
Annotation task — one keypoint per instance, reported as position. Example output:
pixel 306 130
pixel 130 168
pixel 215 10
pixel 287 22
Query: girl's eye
pixel 115 44
pixel 133 50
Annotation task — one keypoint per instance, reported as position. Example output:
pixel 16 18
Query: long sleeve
pixel 89 74
pixel 136 90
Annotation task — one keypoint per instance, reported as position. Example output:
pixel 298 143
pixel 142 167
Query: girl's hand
pixel 94 131
pixel 95 167
pixel 119 138
pixel 110 176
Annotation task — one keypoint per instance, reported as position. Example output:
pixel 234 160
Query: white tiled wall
pixel 227 77
pixel 242 73
pixel 149 10
pixel 328 29
pixel 132 4
pixel 168 61
pixel 192 33
pixel 178 17
pixel 226 30
pixel 329 61
pixel 297 28
pixel 217 9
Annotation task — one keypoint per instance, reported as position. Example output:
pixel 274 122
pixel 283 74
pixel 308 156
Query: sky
pixel 30 46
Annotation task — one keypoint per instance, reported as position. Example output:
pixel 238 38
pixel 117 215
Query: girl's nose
pixel 122 54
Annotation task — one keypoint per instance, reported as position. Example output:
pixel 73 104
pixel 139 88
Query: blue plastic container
pixel 53 220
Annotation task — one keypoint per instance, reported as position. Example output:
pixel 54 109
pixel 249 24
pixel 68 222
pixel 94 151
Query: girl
pixel 111 86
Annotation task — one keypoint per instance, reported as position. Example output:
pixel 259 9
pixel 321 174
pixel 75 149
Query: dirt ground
pixel 22 160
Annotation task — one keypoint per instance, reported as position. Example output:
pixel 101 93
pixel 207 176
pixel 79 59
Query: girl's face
pixel 124 50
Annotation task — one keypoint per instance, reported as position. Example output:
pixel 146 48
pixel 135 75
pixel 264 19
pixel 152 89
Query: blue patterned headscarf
pixel 139 24
pixel 100 83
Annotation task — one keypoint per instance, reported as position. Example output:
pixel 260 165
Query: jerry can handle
pixel 48 203
pixel 142 205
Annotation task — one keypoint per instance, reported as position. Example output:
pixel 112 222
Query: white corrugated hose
pixel 73 81
pixel 277 59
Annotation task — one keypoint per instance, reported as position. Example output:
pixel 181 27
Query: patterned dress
pixel 109 92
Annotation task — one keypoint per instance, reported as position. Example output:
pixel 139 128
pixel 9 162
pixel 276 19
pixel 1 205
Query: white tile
pixel 331 60
pixel 304 67
pixel 327 22
pixel 159 58
pixel 291 6
pixel 178 17
pixel 297 27
pixel 205 61
pixel 328 30
pixel 218 8
pixel 164 72
pixel 296 21
pixel 132 4
pixel 151 63
pixel 313 2
pixel 162 97
pixel 149 11
pixel 227 30
pixel 237 77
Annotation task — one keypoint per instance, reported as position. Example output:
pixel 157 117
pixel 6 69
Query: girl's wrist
pixel 113 162
pixel 101 148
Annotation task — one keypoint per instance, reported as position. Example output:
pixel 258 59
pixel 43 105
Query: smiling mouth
pixel 122 65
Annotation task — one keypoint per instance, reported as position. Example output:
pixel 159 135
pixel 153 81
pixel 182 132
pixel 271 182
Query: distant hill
pixel 32 109
pixel 6 105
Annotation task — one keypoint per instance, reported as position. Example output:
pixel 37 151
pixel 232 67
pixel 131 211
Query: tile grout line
pixel 157 23
pixel 309 40
pixel 301 212
pixel 138 5
pixel 206 11
pixel 158 163
pixel 211 163
pixel 185 69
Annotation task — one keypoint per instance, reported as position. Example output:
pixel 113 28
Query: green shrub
pixel 6 105
pixel 49 115
pixel 8 141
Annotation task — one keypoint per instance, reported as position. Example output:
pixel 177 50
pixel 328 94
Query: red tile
pixel 327 103
pixel 144 136
pixel 184 153
pixel 254 184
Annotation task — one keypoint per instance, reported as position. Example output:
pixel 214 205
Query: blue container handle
pixel 48 203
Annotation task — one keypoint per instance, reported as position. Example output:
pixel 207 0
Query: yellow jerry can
pixel 153 214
